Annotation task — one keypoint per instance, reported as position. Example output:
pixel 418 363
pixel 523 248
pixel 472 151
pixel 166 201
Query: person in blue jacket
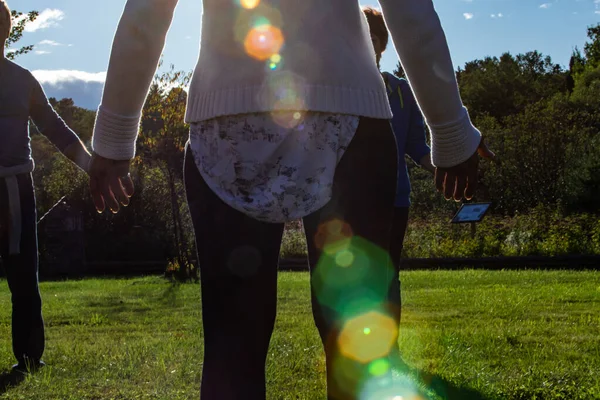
pixel 409 128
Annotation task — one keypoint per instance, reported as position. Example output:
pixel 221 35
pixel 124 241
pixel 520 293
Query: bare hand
pixel 110 183
pixel 461 180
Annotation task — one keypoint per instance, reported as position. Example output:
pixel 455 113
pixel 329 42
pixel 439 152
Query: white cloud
pixel 41 52
pixel 56 77
pixel 499 15
pixel 597 12
pixel 545 5
pixel 47 18
pixel 85 88
pixel 468 15
pixel 49 43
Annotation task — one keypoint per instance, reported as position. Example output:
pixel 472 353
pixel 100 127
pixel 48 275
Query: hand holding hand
pixel 110 183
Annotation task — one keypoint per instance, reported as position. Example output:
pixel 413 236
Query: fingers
pixel 96 195
pixel 461 186
pixel 440 176
pixel 449 185
pixel 118 192
pixel 110 183
pixel 472 179
pixel 106 189
pixel 127 183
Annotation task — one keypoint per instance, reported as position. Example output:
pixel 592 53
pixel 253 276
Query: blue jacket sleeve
pixel 416 138
pixel 48 122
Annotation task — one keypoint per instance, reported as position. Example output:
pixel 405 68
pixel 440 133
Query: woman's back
pixel 288 54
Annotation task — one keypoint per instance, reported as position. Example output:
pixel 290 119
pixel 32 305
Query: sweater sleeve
pixel 47 121
pixel 423 51
pixel 136 50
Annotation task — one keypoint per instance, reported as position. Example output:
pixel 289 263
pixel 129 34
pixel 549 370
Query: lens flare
pixel 249 4
pixel 379 367
pixel 380 387
pixel 344 258
pixel 333 236
pixel 355 343
pixel 263 41
pixel 244 261
pixel 352 276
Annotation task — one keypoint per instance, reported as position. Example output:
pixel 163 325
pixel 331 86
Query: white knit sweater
pixel 326 65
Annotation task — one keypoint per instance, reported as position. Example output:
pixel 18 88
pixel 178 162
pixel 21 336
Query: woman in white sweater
pixel 289 119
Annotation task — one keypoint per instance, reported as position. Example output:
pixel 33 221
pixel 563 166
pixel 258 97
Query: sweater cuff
pixel 115 135
pixel 454 143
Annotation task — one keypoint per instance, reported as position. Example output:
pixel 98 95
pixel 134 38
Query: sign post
pixel 472 213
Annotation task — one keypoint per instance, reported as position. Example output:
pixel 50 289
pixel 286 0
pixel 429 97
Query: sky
pixel 73 38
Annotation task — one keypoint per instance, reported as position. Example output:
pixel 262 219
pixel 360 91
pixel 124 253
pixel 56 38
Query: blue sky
pixel 73 37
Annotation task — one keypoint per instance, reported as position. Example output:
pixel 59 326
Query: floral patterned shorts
pixel 274 167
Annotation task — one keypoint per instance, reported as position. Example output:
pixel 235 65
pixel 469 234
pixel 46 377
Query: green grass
pixel 503 335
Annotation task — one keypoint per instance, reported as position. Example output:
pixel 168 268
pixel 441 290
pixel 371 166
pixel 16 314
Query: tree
pixel 79 119
pixel 500 87
pixel 19 20
pixel 399 71
pixel 592 48
pixel 161 144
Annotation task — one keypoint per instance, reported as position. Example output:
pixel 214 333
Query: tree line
pixel 541 119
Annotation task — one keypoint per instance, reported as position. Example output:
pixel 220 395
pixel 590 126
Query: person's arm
pixel 136 50
pixel 51 125
pixel 423 51
pixel 416 138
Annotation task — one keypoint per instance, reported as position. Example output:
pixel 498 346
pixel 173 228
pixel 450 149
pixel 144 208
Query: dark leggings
pixel 351 274
pixel 22 275
pixel 399 224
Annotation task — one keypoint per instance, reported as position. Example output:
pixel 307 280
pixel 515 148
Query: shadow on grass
pixel 437 385
pixel 10 379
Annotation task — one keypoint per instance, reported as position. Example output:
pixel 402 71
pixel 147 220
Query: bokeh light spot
pixel 330 233
pixel 354 285
pixel 379 367
pixel 344 258
pixel 383 387
pixel 249 4
pixel 356 345
pixel 263 41
pixel 244 261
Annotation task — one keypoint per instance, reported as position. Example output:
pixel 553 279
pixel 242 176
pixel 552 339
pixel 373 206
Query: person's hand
pixel 110 183
pixel 461 180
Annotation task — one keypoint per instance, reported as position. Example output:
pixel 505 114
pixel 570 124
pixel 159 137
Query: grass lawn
pixel 468 334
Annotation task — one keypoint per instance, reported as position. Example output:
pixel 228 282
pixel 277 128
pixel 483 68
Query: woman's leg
pixel 238 259
pixel 351 272
pixel 399 223
pixel 22 277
